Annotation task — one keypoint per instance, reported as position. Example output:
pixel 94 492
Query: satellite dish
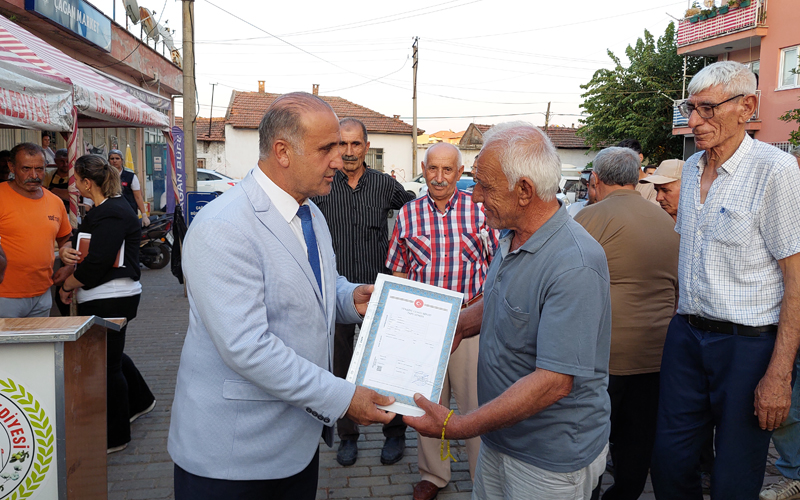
pixel 148 23
pixel 176 58
pixel 132 10
pixel 166 36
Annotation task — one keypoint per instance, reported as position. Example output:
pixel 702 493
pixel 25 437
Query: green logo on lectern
pixel 26 442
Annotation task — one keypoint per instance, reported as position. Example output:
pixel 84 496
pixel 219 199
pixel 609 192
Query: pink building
pixel 767 39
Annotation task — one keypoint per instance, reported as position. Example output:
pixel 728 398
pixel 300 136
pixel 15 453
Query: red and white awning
pixel 98 101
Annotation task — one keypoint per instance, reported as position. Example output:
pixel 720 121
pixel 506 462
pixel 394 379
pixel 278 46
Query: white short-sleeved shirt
pixel 731 244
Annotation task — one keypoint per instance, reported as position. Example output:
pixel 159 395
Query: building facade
pixel 763 35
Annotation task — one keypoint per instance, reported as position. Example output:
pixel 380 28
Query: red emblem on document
pixel 418 303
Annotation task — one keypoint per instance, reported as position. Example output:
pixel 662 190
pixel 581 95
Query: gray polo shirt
pixel 547 305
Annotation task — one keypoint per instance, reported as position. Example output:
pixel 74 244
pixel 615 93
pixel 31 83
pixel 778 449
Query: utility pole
pixel 189 100
pixel 414 99
pixel 211 114
pixel 547 118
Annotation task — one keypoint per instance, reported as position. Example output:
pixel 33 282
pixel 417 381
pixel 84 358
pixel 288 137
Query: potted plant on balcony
pixel 723 9
pixel 744 3
pixel 693 12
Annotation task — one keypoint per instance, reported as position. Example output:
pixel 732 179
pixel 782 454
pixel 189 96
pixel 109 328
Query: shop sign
pixel 78 17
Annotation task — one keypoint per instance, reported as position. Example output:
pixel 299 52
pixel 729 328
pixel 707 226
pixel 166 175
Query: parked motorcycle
pixel 156 246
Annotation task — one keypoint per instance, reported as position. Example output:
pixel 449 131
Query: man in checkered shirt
pixel 442 239
pixel 730 350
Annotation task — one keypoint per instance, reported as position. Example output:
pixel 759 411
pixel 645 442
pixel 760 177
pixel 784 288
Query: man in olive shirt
pixel 641 247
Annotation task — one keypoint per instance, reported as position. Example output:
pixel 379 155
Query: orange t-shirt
pixel 28 231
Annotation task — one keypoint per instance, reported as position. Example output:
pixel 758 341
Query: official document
pixel 405 341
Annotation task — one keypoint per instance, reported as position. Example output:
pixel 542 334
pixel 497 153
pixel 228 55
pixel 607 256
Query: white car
pixel 211 181
pixel 413 186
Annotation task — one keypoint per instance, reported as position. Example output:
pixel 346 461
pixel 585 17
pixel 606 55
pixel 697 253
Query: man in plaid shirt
pixel 442 239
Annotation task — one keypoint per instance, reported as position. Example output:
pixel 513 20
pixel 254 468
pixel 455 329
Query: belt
pixel 474 299
pixel 729 328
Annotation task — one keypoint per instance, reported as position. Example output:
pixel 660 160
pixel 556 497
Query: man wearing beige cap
pixel 667 182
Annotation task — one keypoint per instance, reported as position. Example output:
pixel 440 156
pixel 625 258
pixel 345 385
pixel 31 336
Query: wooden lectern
pixel 53 407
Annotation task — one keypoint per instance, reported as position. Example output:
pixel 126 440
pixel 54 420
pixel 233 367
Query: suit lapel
pixel 277 225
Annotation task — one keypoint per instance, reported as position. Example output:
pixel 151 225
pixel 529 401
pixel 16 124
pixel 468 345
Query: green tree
pixel 636 101
pixel 793 116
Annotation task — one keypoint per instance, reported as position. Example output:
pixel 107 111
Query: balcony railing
pixel 722 24
pixel 679 121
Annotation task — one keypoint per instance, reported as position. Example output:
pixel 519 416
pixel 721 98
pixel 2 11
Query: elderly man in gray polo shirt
pixel 545 325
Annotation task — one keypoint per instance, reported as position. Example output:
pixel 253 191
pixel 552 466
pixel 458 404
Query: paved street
pixel 144 469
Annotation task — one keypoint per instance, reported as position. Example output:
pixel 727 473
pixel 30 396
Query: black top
pixel 110 223
pixel 357 219
pixel 126 179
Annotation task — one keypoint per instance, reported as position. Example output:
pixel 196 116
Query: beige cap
pixel 668 171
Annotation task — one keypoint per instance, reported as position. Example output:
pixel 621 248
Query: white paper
pixel 405 341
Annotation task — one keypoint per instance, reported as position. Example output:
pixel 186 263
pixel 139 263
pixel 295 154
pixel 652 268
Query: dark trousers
pixel 121 374
pixel 301 486
pixel 342 354
pixel 634 407
pixel 707 381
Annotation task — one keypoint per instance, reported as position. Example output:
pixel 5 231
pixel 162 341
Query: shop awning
pixel 98 101
pixel 32 95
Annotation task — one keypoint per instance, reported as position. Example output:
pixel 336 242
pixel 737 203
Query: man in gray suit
pixel 255 389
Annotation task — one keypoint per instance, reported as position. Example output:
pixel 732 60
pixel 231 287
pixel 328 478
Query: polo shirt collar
pixel 544 233
pixel 623 192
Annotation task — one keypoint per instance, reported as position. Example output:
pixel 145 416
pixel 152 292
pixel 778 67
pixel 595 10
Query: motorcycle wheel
pixel 158 261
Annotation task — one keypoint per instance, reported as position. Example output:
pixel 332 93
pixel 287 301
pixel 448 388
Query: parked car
pixel 211 181
pixel 414 185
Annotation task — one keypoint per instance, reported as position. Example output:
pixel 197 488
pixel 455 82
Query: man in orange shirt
pixel 32 221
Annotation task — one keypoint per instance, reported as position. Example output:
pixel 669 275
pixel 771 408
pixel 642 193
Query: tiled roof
pixel 565 138
pixel 247 108
pixel 562 137
pixel 447 134
pixel 201 126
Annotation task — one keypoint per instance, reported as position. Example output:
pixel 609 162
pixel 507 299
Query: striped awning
pixel 98 101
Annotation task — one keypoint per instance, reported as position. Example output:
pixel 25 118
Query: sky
pixel 481 61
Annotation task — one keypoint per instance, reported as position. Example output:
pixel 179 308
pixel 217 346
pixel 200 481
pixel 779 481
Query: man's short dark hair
pixel 46 134
pixel 630 144
pixel 62 153
pixel 357 122
pixel 28 148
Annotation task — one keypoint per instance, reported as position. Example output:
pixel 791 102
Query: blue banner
pixel 195 200
pixel 78 17
pixel 180 173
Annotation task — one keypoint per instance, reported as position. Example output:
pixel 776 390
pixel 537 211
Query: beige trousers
pixel 462 380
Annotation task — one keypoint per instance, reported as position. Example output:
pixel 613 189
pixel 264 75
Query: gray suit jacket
pixel 254 389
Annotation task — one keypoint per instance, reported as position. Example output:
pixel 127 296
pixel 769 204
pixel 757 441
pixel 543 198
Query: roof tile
pixel 247 109
pixel 201 126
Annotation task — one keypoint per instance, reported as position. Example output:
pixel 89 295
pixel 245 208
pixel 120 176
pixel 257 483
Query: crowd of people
pixel 653 329
pixel 102 278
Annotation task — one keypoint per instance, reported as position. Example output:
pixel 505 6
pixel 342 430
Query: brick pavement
pixel 144 469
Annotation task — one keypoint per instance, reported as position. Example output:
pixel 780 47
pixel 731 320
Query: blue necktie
pixel 311 242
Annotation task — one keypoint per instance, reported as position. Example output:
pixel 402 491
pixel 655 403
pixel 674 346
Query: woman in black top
pixel 104 289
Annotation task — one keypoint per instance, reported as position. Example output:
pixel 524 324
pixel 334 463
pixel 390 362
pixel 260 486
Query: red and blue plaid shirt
pixel 451 250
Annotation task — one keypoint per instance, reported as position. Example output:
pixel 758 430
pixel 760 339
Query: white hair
pixel 735 78
pixel 459 160
pixel 526 151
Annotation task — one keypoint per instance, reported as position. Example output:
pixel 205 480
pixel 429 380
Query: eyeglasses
pixel 705 111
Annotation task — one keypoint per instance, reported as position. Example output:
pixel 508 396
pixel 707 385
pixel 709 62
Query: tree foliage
pixel 636 101
pixel 793 116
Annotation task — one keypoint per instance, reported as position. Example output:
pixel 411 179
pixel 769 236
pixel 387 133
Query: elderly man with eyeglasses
pixel 730 349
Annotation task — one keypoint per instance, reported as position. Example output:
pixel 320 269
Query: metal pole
pixel 414 99
pixel 189 97
pixel 211 114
